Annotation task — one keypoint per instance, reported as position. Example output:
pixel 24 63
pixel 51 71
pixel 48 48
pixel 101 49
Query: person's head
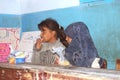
pixel 68 39
pixel 51 31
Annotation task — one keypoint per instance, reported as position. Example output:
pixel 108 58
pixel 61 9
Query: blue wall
pixel 101 18
pixel 9 20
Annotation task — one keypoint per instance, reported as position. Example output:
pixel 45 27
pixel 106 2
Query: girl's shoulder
pixel 59 44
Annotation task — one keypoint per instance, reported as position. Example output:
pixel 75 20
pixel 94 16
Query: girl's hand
pixel 38 43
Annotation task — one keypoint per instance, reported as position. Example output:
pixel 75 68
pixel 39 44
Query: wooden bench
pixel 117 64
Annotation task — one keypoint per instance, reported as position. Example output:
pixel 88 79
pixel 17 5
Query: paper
pixel 4 51
pixel 10 35
pixel 27 41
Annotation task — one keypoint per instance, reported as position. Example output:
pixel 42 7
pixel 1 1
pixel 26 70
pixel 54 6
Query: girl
pixel 81 50
pixel 50 47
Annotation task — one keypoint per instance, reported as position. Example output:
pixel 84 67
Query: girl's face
pixel 68 39
pixel 48 35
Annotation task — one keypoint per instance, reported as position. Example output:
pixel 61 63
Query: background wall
pixel 10 20
pixel 9 13
pixel 101 17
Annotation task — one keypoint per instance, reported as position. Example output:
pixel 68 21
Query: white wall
pixel 29 6
pixel 10 7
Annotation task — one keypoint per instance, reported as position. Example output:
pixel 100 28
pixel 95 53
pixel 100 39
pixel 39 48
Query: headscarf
pixel 81 51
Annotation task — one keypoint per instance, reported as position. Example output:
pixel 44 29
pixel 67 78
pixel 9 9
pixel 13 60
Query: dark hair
pixel 54 26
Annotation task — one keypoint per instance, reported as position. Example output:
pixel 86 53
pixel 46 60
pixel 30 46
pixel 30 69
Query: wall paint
pixel 10 7
pixel 28 6
pixel 10 20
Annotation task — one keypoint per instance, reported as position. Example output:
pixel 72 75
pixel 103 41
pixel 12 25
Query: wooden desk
pixel 42 72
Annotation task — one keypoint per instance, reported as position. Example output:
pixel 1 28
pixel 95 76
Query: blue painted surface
pixel 9 20
pixel 84 1
pixel 89 1
pixel 102 20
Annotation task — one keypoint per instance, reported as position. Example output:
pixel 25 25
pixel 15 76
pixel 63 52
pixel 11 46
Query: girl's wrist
pixel 38 46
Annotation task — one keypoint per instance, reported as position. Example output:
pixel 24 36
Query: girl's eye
pixel 44 31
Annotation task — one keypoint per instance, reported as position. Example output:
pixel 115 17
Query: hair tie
pixel 59 27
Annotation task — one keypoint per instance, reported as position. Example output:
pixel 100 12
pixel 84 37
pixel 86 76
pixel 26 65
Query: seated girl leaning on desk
pixel 50 48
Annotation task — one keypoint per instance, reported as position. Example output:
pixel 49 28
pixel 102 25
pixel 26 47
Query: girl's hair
pixel 54 26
